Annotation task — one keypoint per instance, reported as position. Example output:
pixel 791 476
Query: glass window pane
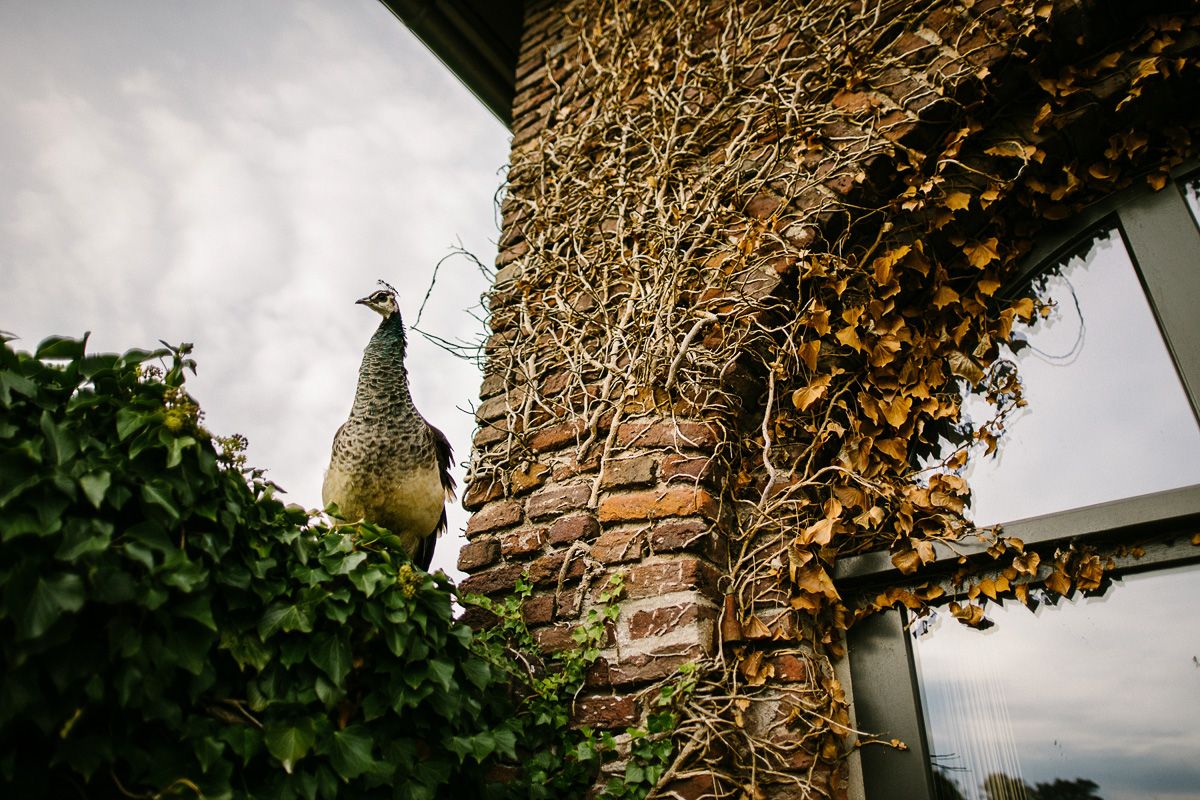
pixel 1191 193
pixel 1103 690
pixel 1107 416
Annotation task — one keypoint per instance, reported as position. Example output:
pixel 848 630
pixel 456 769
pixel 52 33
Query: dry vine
pixel 811 198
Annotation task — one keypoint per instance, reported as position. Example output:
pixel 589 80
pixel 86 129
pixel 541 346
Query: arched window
pixel 1097 696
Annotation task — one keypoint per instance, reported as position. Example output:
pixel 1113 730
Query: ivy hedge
pixel 168 627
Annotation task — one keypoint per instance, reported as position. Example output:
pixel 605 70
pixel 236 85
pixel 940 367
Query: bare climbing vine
pixel 798 222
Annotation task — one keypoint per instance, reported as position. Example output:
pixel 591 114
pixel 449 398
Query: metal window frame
pixel 1163 240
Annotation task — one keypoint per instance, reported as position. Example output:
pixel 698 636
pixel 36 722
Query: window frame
pixel 1162 236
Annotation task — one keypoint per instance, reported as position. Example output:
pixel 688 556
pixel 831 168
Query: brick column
pixel 781 217
pixel 574 480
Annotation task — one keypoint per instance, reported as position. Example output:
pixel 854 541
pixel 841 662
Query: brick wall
pixel 611 440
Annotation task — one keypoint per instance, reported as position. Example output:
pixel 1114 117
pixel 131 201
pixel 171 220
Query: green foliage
pixel 560 761
pixel 652 748
pixel 169 628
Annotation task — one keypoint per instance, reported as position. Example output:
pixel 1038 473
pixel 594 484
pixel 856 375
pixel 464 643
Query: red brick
pixel 490 434
pixel 676 575
pixel 554 638
pixel 643 667
pixel 538 610
pixel 555 437
pixel 605 713
pixel 636 471
pixel 676 465
pixel 789 668
pixel 528 477
pixel 673 535
pixel 493 385
pixel 553 501
pixel 573 528
pixel 682 434
pixel 571 468
pixel 657 621
pixel 548 569
pixel 491 581
pixel 482 491
pixel 650 504
pixel 504 514
pixel 697 787
pixel 478 554
pixel 495 407
pixel 511 254
pixel 522 541
pixel 477 618
pixel 763 205
pixel 615 547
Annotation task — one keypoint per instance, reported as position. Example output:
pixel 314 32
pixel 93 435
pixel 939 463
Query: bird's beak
pixel 362 301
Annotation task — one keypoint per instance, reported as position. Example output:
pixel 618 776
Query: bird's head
pixel 382 301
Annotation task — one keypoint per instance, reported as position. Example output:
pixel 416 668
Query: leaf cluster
pixel 169 627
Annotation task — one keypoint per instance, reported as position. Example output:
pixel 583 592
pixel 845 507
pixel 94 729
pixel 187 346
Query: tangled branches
pixel 793 222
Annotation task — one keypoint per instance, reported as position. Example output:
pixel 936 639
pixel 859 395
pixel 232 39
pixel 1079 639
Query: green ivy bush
pixel 168 627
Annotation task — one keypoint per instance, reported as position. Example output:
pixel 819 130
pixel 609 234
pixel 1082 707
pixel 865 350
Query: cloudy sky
pixel 236 174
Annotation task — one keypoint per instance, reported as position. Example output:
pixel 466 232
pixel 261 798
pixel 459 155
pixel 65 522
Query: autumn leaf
pixel 907 561
pixel 964 366
pixel 849 337
pixel 896 448
pixel 896 412
pixel 820 533
pixel 988 286
pixel 805 397
pixel 809 352
pixel 754 628
pixel 944 296
pixel 1013 149
pixel 969 614
pixel 1058 582
pixel 958 201
pixel 1027 564
pixel 1024 308
pixel 883 264
pixel 980 254
pixel 815 580
pixel 818 320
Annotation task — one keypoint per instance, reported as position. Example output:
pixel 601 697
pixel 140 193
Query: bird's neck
pixel 383 378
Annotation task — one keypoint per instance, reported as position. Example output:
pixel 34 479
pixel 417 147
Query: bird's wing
pixel 444 458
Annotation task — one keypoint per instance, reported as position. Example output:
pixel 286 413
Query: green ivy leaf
pixel 284 617
pixel 52 596
pixel 15 382
pixel 61 347
pixel 332 654
pixel 61 442
pixel 94 486
pixel 160 496
pixel 290 743
pixel 129 421
pixel 478 671
pixel 351 753
pixel 443 672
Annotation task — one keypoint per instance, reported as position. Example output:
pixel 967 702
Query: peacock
pixel 389 466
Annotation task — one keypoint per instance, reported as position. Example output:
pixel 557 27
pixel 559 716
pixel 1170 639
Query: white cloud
pixel 238 179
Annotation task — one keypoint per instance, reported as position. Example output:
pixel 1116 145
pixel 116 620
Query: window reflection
pixel 1092 698
pixel 1191 193
pixel 1107 416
